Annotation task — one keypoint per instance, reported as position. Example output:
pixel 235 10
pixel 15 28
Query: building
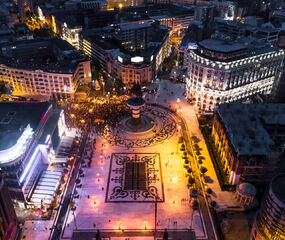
pixel 9 226
pixel 93 4
pixel 134 37
pixel 30 133
pixel 270 219
pixel 113 52
pixel 49 68
pixel 279 86
pixel 205 14
pixel 252 26
pixel 245 193
pixel 250 139
pixel 225 9
pixel 223 70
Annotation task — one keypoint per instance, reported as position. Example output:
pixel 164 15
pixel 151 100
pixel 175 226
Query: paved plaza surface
pixel 109 202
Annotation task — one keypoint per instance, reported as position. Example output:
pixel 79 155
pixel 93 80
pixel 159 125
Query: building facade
pixel 140 66
pixel 9 226
pixel 270 219
pixel 52 69
pixel 224 71
pixel 250 140
pixel 30 133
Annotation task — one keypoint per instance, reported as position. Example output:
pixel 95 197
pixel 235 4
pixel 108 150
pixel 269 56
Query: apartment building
pixel 50 68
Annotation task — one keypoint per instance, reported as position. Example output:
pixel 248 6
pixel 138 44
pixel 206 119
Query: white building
pixel 225 71
pixel 30 133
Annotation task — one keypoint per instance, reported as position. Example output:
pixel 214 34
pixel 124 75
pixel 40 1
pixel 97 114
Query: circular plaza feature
pixel 157 126
pixel 129 124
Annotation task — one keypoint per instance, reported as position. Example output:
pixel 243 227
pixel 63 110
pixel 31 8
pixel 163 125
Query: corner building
pixel 49 68
pixel 222 71
pixel 270 220
pixel 30 133
pixel 250 140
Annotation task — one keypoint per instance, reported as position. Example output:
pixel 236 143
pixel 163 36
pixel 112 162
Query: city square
pixel 106 204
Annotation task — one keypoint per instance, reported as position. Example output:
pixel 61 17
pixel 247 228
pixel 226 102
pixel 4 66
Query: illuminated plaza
pixel 113 199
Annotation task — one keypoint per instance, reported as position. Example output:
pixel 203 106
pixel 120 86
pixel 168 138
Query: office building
pixel 270 219
pixel 250 139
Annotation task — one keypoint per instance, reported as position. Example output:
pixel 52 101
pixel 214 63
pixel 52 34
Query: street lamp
pixel 145 224
pixel 119 223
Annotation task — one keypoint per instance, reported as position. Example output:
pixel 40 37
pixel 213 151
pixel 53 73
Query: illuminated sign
pixel 137 59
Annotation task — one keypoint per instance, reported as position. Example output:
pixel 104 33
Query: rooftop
pixel 49 55
pixel 245 124
pixel 14 118
pixel 220 45
pixel 278 186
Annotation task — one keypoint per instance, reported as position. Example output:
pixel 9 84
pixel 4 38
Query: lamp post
pixel 155 216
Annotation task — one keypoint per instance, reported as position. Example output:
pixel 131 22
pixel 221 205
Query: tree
pixel 72 205
pixel 53 204
pixel 213 204
pixel 118 84
pixel 194 138
pixel 195 204
pixel 203 170
pixel 62 180
pixel 58 192
pixel 191 180
pixel 2 87
pixel 209 191
pixel 77 181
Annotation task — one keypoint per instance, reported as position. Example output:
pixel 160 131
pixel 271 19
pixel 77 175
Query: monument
pixel 137 122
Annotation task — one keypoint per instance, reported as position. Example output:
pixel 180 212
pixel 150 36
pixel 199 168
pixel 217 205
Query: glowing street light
pixel 145 224
pixel 119 223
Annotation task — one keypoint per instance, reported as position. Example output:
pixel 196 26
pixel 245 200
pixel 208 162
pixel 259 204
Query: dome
pixel 247 189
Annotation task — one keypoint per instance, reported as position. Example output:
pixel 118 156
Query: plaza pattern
pixel 150 175
pixel 164 128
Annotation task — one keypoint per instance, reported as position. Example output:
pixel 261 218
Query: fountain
pixel 137 122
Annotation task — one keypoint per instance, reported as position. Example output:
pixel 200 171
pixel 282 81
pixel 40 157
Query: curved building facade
pixel 222 71
pixel 270 220
pixel 29 135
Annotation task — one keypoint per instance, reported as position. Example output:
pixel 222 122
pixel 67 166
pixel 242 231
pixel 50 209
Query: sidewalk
pixel 224 199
